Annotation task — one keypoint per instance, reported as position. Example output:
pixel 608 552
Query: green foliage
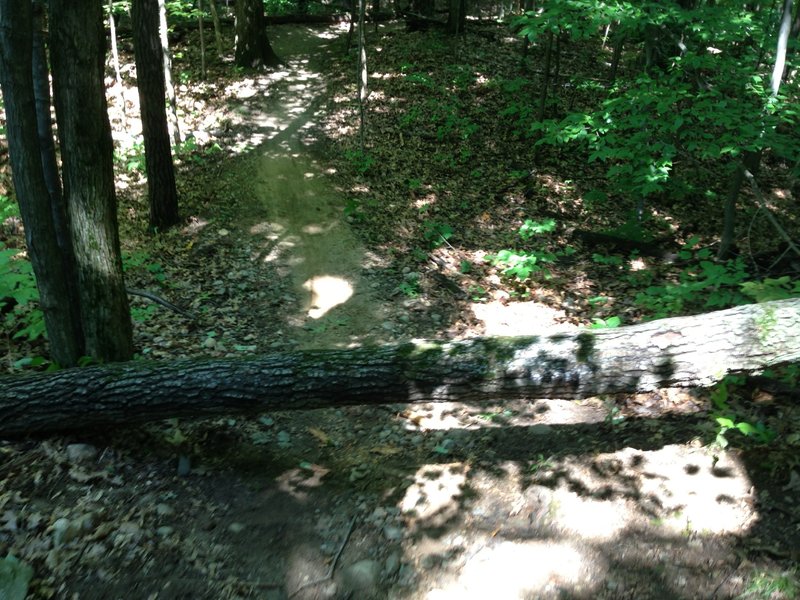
pixel 17 282
pixel 705 104
pixel 410 288
pixel 609 323
pixel 15 576
pixel 132 159
pixel 609 260
pixel 143 264
pixel 531 228
pixel 770 586
pixel 361 161
pixel 522 264
pixel 727 420
pixel 703 284
pixel 436 233
pixel 190 151
pixel 478 294
pixel 8 208
pixel 771 289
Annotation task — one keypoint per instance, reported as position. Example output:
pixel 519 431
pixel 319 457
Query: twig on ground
pixel 332 568
pixel 162 302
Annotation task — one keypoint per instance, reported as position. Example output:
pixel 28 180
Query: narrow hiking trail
pixel 297 220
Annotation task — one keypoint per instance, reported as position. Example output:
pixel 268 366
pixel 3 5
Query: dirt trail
pixel 298 220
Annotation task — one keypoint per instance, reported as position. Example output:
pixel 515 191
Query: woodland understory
pixel 468 227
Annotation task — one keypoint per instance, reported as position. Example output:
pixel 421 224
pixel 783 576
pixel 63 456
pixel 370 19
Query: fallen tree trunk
pixel 682 352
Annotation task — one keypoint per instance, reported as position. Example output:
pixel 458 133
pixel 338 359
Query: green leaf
pixel 15 576
pixel 725 422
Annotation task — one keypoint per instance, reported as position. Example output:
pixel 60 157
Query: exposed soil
pixel 607 498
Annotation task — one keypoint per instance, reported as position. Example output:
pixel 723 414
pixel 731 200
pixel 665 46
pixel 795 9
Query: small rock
pixel 357 473
pixel 284 439
pixel 95 552
pixel 388 325
pixel 164 510
pixel 362 575
pixel 392 565
pixel 209 343
pixel 236 527
pixel 81 452
pixel 64 531
pixel 184 465
pixel 429 561
pixel 393 533
pixel 165 531
pixel 436 317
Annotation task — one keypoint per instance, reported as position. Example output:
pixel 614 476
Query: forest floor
pixel 297 239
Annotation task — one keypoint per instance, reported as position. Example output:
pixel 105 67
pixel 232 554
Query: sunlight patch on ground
pixel 327 292
pixel 517 570
pixel 519 318
pixel 570 513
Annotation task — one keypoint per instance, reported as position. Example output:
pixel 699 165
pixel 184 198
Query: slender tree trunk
pixel 202 41
pixel 166 57
pixel 77 44
pixel 150 81
pixel 55 299
pixel 548 57
pixel 47 150
pixel 362 73
pixel 217 28
pixel 618 45
pixel 352 8
pixel 680 352
pixel 112 26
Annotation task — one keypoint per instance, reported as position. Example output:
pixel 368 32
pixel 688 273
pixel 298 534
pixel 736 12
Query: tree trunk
pixel 166 59
pixel 52 175
pixel 681 352
pixel 362 73
pixel 457 17
pixel 77 44
pixel 55 299
pixel 253 49
pixel 212 4
pixel 150 82
pixel 112 31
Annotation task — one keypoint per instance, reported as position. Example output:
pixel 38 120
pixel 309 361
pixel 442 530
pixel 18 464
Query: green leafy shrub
pixel 728 420
pixel 771 289
pixel 436 233
pixel 702 285
pixel 18 289
pixel 522 264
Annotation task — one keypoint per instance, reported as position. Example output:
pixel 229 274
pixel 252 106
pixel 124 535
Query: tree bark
pixel 52 175
pixel 253 49
pixel 77 44
pixel 680 352
pixel 150 67
pixel 166 58
pixel 16 47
